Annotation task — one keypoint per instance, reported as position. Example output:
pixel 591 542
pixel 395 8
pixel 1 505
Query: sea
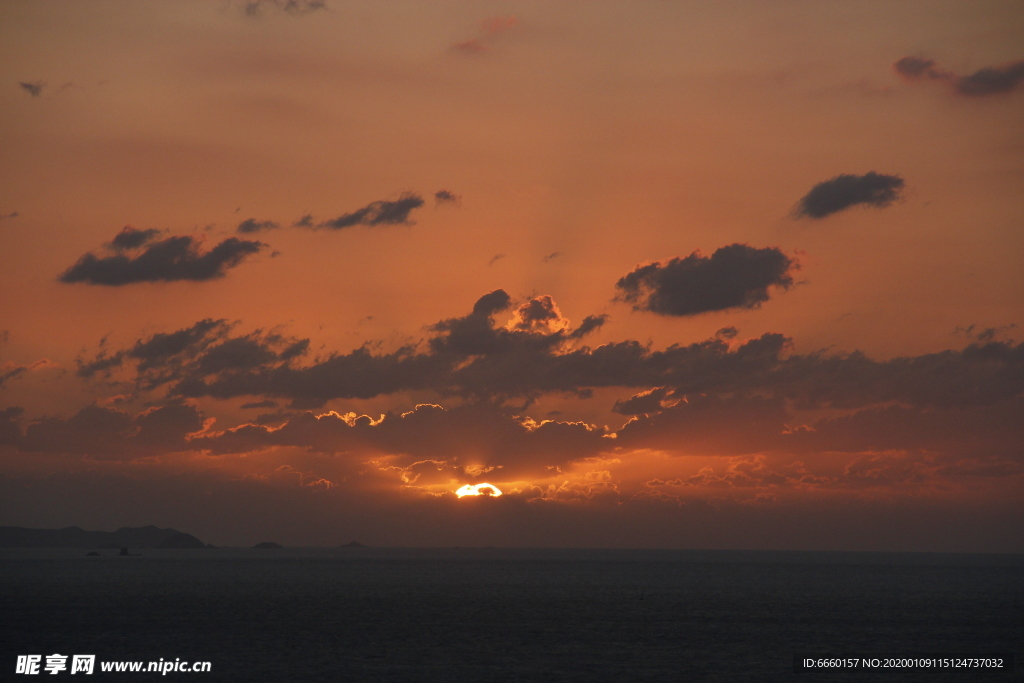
pixel 499 614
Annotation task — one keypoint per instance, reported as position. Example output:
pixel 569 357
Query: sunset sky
pixel 741 274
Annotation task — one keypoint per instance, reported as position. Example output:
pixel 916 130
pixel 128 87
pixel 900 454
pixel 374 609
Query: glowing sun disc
pixel 478 490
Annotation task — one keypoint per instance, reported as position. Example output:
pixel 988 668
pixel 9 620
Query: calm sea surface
pixel 506 615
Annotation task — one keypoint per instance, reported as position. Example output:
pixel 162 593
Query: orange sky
pixel 874 371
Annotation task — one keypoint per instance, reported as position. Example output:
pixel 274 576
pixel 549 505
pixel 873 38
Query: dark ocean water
pixel 507 615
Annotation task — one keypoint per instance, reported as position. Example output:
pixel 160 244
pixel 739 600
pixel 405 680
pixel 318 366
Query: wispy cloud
pixel 992 80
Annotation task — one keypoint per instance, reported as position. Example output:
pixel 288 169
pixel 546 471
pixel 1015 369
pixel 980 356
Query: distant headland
pixel 77 537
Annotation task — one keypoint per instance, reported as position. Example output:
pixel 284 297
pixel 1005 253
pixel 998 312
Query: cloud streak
pixel 992 80
pixel 847 190
pixel 251 225
pixel 140 258
pixel 374 214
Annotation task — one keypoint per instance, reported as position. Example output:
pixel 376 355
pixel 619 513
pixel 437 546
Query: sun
pixel 478 490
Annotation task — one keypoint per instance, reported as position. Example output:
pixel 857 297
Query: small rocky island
pixel 268 545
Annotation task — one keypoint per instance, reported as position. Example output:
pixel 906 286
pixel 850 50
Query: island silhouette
pixel 76 537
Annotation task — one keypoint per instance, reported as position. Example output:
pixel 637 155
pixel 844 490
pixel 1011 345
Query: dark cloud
pixel 539 314
pixel 102 363
pixel 736 276
pixel 991 80
pixel 589 324
pixel 234 354
pixel 33 88
pixel 251 225
pixel 259 404
pixel 190 354
pixel 10 430
pixel 977 432
pixel 165 429
pixel 703 424
pixel 552 256
pixel 306 221
pixel 303 6
pixel 471 439
pixel 163 347
pixel 916 67
pixel 845 190
pixel 163 355
pixel 650 401
pixel 254 8
pixel 109 434
pixel 377 213
pixel 130 238
pixel 12 214
pixel 10 372
pixel 536 352
pixel 473 334
pixel 168 260
pixel 446 197
pixel 727 333
pixel 495 259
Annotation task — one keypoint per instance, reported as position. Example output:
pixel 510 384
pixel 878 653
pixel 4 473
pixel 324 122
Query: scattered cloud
pixel 846 190
pixel 373 214
pixel 736 276
pixel 447 197
pixel 12 214
pixel 991 80
pixel 12 370
pixel 33 88
pixel 916 67
pixel 255 8
pixel 137 258
pixel 552 256
pixel 495 259
pixel 251 225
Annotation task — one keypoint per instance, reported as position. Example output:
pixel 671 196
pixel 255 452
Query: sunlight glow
pixel 478 490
